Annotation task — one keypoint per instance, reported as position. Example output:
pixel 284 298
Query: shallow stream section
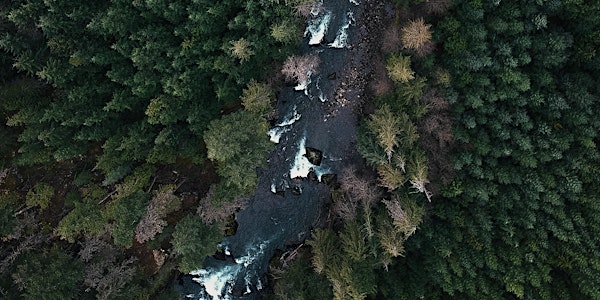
pixel 315 138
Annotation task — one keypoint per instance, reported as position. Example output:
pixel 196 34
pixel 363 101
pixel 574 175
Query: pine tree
pixel 257 97
pixel 324 250
pixel 398 67
pixel 193 241
pixel 241 49
pixel 386 126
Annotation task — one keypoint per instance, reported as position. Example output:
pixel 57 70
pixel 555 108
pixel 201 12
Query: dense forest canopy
pixel 521 217
pixel 133 81
pixel 96 95
pixel 480 176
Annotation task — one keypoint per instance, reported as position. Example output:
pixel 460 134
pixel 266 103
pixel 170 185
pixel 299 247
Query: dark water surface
pixel 325 119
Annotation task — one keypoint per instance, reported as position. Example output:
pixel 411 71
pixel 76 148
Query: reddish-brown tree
pixel 211 213
pixel 152 223
pixel 104 271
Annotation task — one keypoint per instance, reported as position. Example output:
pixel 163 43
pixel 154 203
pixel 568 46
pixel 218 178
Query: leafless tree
pixel 211 213
pixel 159 257
pixel 358 187
pixel 28 243
pixel 153 222
pixel 305 8
pixel 3 174
pixel 108 276
pixel 26 222
pixel 391 39
pixel 356 191
pixel 104 271
pixel 406 214
pixel 299 68
pixel 92 246
pixel 345 208
pixel 381 84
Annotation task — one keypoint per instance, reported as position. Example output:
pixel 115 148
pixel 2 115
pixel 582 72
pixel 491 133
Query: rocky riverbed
pixel 316 139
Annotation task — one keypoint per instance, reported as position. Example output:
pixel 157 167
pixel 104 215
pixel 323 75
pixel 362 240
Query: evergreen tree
pixel 193 241
pixel 48 275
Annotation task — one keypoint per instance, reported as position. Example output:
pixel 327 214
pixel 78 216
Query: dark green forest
pixel 108 109
pixel 131 129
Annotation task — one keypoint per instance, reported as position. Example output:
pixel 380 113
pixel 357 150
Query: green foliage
pixel 137 181
pixel 124 213
pixel 239 145
pixel 241 49
pixel 83 178
pixel 124 86
pixel 7 219
pixel 368 146
pixel 398 67
pixel 324 246
pixel 353 241
pixel 193 241
pixel 386 127
pixel 300 282
pixel 85 218
pixel 257 98
pixel 286 32
pixel 144 86
pixel 48 275
pixel 9 201
pixel 516 222
pixel 41 195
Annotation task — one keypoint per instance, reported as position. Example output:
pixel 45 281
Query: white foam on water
pixel 252 254
pixel 302 166
pixel 355 2
pixel 322 97
pixel 218 284
pixel 283 126
pixel 276 132
pixel 290 118
pixel 317 28
pixel 303 86
pixel 341 39
pixel 215 282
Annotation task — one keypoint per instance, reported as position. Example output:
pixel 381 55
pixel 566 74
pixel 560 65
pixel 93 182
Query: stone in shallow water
pixel 296 190
pixel 312 176
pixel 314 156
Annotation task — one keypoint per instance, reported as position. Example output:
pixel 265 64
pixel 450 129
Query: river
pixel 289 202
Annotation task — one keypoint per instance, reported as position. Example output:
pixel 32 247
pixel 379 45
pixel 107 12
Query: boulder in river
pixel 314 156
pixel 296 190
pixel 312 176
